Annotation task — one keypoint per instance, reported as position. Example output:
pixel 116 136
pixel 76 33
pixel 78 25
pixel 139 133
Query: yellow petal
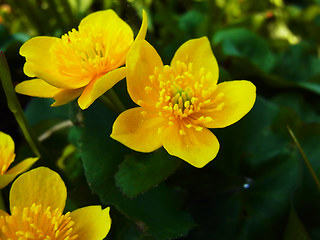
pixel 199 53
pixel 6 143
pixel 195 147
pixel 144 26
pixel 141 63
pixel 98 87
pixel 66 95
pixel 118 36
pixel 40 186
pixel 36 51
pixel 40 64
pixel 3 213
pixel 237 99
pixel 6 179
pixel 91 223
pixel 11 174
pixel 138 131
pixel 37 88
pixel 22 166
pixel 7 154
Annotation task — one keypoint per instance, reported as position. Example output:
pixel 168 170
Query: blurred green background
pixel 258 187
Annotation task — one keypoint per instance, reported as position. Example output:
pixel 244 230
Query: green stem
pixel 106 101
pixel 2 205
pixel 114 98
pixel 304 156
pixel 68 12
pixel 14 104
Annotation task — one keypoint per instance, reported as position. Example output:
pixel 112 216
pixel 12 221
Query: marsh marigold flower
pixel 37 200
pixel 7 157
pixel 85 62
pixel 179 102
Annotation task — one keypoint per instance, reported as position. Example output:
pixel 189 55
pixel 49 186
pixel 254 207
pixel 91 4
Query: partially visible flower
pixel 179 102
pixel 85 62
pixel 37 200
pixel 7 156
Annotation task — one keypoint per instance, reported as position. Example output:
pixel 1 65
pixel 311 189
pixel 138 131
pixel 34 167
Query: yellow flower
pixel 179 102
pixel 7 156
pixel 37 200
pixel 84 62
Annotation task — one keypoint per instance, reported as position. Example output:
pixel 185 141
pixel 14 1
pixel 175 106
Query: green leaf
pixel 243 43
pixel 39 110
pixel 157 212
pixel 297 64
pixel 295 228
pixel 251 180
pixel 191 22
pixel 140 172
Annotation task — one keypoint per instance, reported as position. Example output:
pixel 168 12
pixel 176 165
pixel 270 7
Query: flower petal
pixel 137 131
pixel 91 223
pixel 40 64
pixel 11 174
pixel 22 166
pixel 99 86
pixel 144 27
pixel 141 63
pixel 6 143
pixel 199 53
pixel 3 213
pixel 5 179
pixel 118 36
pixel 195 147
pixel 66 95
pixel 37 88
pixel 40 186
pixel 36 52
pixel 237 99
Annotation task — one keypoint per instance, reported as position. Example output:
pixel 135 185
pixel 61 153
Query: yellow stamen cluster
pixel 184 94
pixel 86 52
pixel 36 223
pixel 6 158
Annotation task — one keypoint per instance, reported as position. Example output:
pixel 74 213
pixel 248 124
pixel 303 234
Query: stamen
pixel 37 223
pixel 184 91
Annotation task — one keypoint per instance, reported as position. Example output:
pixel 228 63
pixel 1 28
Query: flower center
pixel 36 223
pixel 185 95
pixel 89 52
pixel 6 158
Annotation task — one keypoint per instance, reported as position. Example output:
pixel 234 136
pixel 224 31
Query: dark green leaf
pixel 139 172
pixel 295 228
pixel 156 212
pixel 243 43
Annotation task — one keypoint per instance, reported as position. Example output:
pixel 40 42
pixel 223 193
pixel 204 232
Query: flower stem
pixel 2 205
pixel 112 101
pixel 14 104
pixel 114 98
pixel 304 156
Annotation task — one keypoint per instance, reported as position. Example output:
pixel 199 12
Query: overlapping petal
pixel 40 186
pixel 198 52
pixel 99 86
pixel 66 95
pixel 91 223
pixel 13 172
pixel 237 99
pixel 138 131
pixel 141 63
pixel 7 157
